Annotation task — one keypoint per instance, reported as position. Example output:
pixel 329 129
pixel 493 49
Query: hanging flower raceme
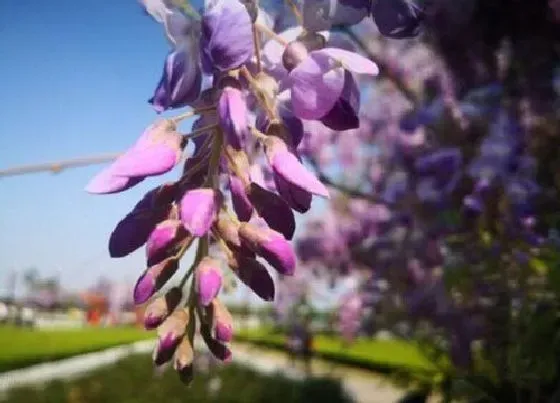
pixel 243 180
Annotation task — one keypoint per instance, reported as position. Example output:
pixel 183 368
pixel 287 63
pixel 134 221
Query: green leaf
pixel 539 266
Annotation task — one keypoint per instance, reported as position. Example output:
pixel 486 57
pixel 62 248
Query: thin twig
pixel 56 167
pixel 257 45
pixel 384 69
pixel 266 30
pixel 192 113
pixel 296 12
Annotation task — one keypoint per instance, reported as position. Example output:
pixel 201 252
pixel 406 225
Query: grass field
pixel 376 355
pixel 20 348
pixel 132 380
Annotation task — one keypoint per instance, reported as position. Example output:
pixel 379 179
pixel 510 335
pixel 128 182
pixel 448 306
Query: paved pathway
pixel 364 386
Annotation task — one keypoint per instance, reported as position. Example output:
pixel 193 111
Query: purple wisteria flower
pixel 318 82
pixel 227 39
pixel 156 152
pixel 255 114
pixel 181 80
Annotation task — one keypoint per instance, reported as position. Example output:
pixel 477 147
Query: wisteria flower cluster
pixel 449 198
pixel 250 102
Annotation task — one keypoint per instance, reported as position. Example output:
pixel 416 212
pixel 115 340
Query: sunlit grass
pixel 21 347
pixel 384 355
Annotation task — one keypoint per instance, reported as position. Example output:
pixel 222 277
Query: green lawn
pixel 24 347
pixel 132 380
pixel 377 355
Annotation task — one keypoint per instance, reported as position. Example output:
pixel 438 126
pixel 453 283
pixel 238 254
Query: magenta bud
pixel 223 322
pixel 165 236
pixel 297 198
pixel 241 203
pixel 286 165
pixel 271 245
pixel 208 280
pixel 232 114
pixel 170 334
pixel 156 152
pixel 153 279
pixel 199 209
pixel 158 310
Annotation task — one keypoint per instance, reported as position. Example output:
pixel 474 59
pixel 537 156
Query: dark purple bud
pixel 170 334
pixel 183 362
pixel 253 274
pixel 218 350
pixel 271 245
pixel 321 15
pixel 208 280
pixel 180 83
pixel 133 231
pixel 232 113
pixel 297 198
pixel 273 209
pixel 158 310
pixel 153 279
pixel 398 18
pixel 241 203
pixel 344 113
pixel 227 39
pixel 446 160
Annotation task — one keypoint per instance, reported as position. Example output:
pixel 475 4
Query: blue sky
pixel 75 79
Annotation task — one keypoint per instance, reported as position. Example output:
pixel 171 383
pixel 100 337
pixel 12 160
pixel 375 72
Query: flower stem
pixel 202 131
pixel 269 32
pixel 212 179
pixel 197 258
pixel 261 97
pixel 296 12
pixel 257 45
pixel 258 134
pixel 192 113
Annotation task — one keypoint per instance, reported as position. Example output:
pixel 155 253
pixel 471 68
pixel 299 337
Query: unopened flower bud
pixel 273 209
pixel 253 274
pixel 271 245
pixel 223 322
pixel 199 209
pixel 161 308
pixel 163 240
pixel 153 279
pixel 286 165
pixel 208 280
pixel 183 363
pixel 169 335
